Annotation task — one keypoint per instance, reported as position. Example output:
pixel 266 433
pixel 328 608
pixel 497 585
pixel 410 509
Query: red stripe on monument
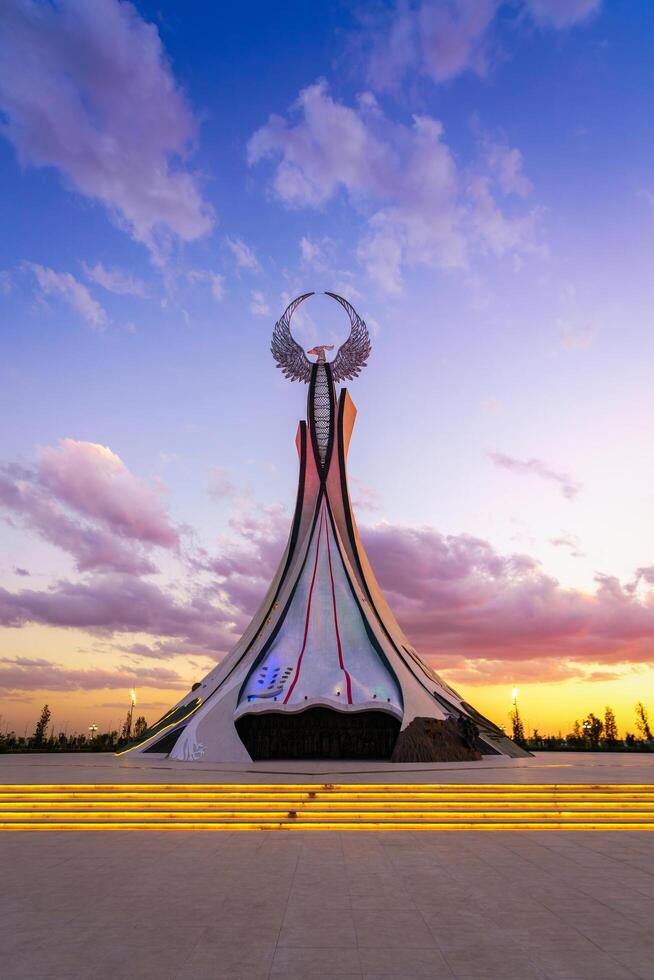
pixel 348 683
pixel 306 622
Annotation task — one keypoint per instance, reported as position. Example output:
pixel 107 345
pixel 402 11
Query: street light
pixel 93 729
pixel 132 702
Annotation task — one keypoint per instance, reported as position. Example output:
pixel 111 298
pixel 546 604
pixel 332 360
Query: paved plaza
pixel 543 767
pixel 337 904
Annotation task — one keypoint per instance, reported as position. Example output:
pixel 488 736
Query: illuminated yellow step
pixel 320 804
pixel 332 816
pixel 294 825
pixel 295 797
pixel 368 806
pixel 313 787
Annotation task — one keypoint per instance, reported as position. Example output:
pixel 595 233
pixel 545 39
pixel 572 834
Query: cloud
pixel 215 280
pixel 311 251
pixel 506 162
pixel 28 674
pixel 92 547
pixel 121 514
pixel 570 541
pixel 72 291
pixel 22 572
pixel 479 615
pixel 459 600
pixel 577 337
pixel 364 497
pixel 259 304
pixel 107 604
pixel 87 88
pixel 220 485
pixel 403 180
pixel 562 13
pixel 95 482
pixel 444 40
pixel 114 280
pixel 536 467
pixel 439 40
pixel 646 574
pixel 247 558
pixel 244 255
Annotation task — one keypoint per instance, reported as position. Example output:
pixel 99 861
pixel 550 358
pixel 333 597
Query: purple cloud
pixel 561 13
pixel 536 467
pixel 458 599
pixel 87 88
pixel 444 40
pixel 27 674
pixel 108 604
pixel 95 482
pixel 481 616
pixel 72 292
pixel 423 211
pixel 114 280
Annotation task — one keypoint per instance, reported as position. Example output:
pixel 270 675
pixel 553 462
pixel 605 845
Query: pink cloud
pixel 536 467
pixel 95 482
pixel 91 547
pixel 87 88
pixel 457 598
pixel 83 499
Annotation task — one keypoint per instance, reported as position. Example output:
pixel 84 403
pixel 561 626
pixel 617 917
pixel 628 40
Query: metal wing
pixel 290 357
pixel 353 355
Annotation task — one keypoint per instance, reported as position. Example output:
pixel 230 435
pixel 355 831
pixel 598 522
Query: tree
pixel 610 725
pixel 575 738
pixel 517 726
pixel 642 722
pixel 593 728
pixel 140 726
pixel 39 732
pixel 127 726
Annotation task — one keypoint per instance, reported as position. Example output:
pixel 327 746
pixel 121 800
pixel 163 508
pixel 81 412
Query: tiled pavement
pixel 557 905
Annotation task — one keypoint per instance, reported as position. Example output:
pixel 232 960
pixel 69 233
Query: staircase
pixel 346 806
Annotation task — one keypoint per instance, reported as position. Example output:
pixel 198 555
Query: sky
pixel 477 178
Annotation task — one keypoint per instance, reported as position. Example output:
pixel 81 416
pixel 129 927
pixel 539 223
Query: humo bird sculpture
pixel 324 670
pixel 350 360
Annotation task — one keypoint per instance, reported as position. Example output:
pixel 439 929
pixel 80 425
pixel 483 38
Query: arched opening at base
pixel 319 733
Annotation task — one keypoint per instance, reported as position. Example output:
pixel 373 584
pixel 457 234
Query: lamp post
pixel 93 729
pixel 132 702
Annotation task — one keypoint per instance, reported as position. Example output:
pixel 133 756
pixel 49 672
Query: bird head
pixel 319 351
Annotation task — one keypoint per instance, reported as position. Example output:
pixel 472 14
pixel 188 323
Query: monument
pixel 323 671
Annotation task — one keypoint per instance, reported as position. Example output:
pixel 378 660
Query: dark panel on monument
pixel 319 733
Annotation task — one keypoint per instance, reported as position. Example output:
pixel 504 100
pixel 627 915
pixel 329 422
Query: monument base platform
pixel 542 767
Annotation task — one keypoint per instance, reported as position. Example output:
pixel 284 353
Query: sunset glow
pixel 478 180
